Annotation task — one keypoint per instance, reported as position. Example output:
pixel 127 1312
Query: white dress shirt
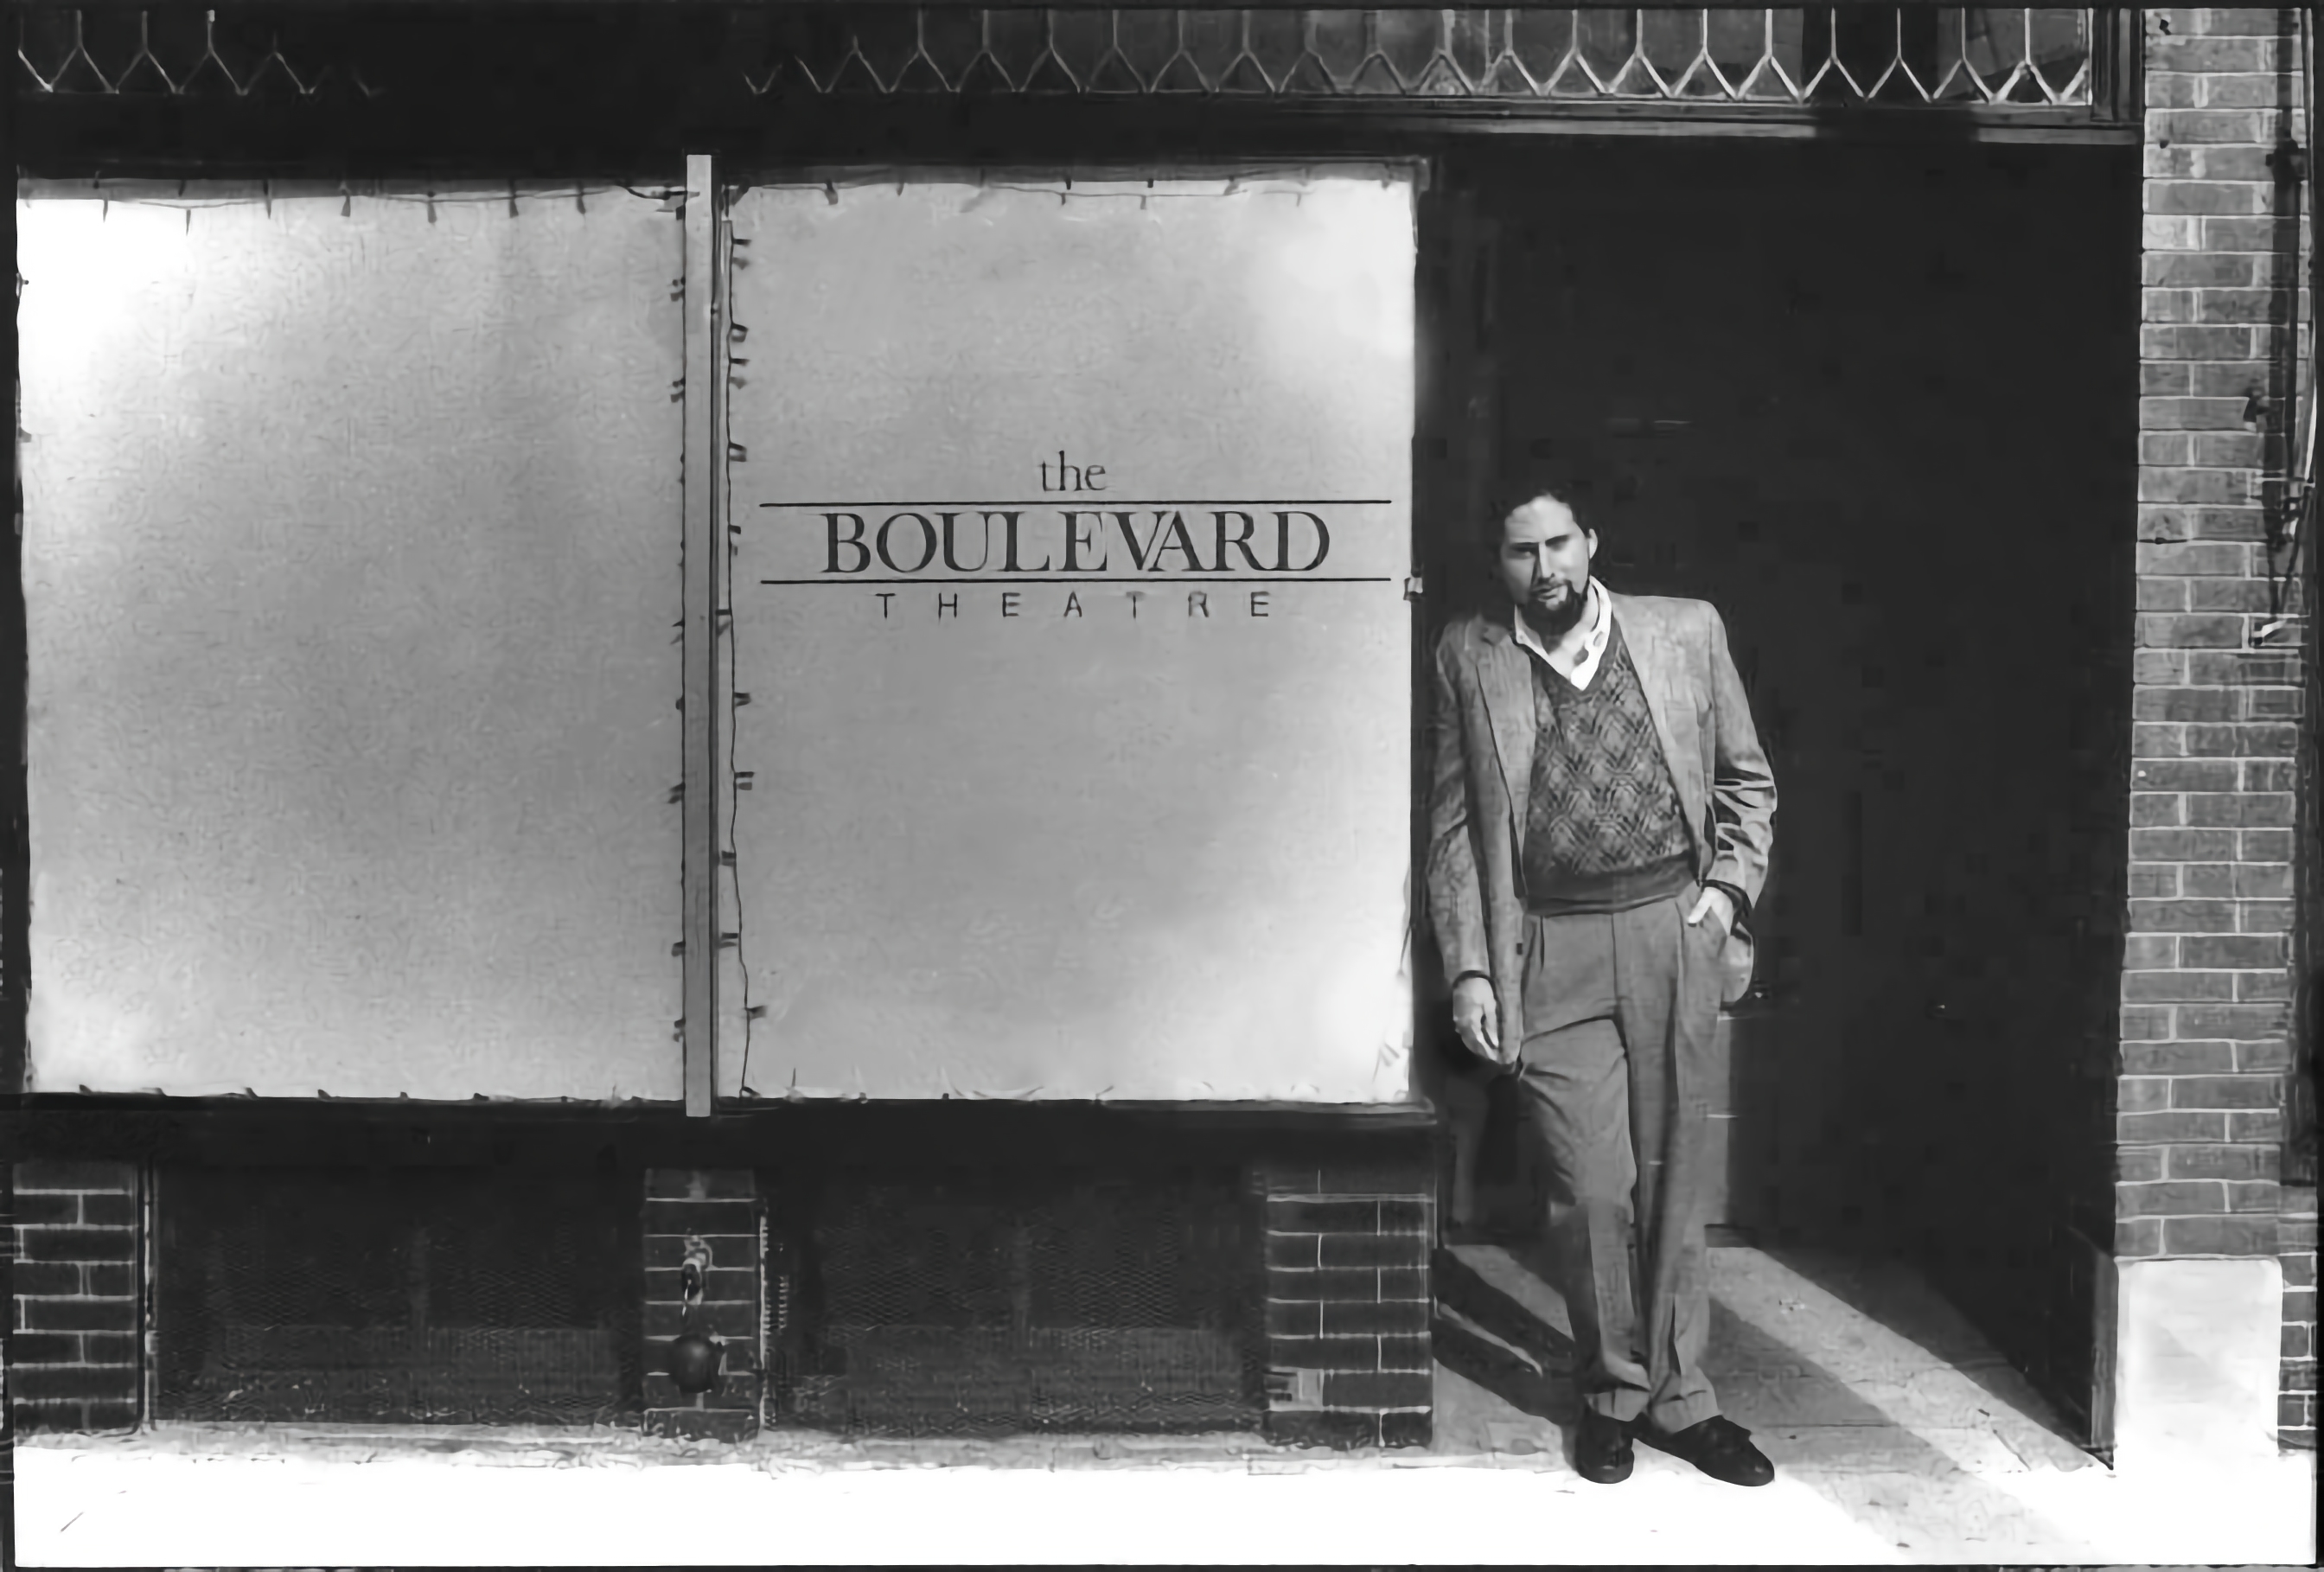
pixel 1576 663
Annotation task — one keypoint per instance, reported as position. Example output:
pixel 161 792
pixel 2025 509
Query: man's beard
pixel 1553 622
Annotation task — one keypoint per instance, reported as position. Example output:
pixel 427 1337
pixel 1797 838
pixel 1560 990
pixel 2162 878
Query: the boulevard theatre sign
pixel 1074 550
pixel 1071 543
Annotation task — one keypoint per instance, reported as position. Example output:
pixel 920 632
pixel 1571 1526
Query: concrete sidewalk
pixel 1898 1435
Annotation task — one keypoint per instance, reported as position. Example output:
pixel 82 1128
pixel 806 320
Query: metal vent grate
pixel 1063 1304
pixel 403 1295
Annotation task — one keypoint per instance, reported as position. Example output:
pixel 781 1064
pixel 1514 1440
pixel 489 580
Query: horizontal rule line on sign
pixel 1208 576
pixel 1345 502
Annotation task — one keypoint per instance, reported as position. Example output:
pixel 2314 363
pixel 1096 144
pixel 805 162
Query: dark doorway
pixel 1879 404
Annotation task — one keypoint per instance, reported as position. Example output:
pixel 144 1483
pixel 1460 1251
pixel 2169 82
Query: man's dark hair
pixel 1572 495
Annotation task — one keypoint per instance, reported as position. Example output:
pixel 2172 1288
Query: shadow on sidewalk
pixel 1488 1337
pixel 1819 1428
pixel 1891 1293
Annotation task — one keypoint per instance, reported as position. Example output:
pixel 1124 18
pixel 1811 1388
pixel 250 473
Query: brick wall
pixel 72 1355
pixel 2205 1019
pixel 2207 975
pixel 7 1353
pixel 2297 1396
pixel 718 1208
pixel 1348 1348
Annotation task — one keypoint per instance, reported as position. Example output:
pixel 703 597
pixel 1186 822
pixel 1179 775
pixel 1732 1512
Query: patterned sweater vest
pixel 1602 800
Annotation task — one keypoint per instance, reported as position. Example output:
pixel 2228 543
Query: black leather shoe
pixel 1719 1446
pixel 1601 1449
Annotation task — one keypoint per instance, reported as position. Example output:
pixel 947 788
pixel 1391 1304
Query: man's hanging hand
pixel 1477 1017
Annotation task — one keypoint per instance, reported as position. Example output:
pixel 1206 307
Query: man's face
pixel 1544 562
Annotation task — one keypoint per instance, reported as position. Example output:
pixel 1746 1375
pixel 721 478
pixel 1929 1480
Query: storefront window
pixel 1070 596
pixel 349 529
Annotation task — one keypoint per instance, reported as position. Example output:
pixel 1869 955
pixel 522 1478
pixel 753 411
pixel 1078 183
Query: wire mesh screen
pixel 1825 55
pixel 1068 1303
pixel 391 1295
pixel 1901 55
pixel 178 52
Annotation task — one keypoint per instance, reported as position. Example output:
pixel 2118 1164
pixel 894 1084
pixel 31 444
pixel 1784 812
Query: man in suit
pixel 1600 819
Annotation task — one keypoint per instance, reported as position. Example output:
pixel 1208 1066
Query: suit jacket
pixel 1482 772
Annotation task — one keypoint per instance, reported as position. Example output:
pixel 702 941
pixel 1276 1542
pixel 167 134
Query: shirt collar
pixel 1583 664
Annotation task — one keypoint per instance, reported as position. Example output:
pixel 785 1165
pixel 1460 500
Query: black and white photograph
pixel 898 782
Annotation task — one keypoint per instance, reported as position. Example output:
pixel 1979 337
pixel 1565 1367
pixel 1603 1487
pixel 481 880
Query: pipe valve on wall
pixel 695 1356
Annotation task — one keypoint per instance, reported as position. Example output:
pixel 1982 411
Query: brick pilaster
pixel 7 1355
pixel 2296 1399
pixel 2206 984
pixel 718 1208
pixel 72 1357
pixel 1348 1348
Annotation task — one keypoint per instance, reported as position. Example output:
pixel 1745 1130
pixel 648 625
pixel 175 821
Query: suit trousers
pixel 1620 1015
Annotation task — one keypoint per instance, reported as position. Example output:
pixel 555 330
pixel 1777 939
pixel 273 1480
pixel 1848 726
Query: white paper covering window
pixel 1077 745
pixel 351 567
